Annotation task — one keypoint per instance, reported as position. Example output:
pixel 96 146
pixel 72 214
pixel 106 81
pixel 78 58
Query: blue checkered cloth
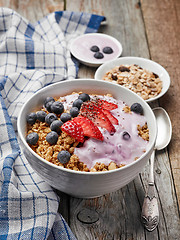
pixel 31 57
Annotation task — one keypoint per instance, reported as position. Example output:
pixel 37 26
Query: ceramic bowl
pixel 76 183
pixel 80 48
pixel 142 62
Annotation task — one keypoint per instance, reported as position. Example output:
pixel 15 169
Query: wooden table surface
pixel 150 29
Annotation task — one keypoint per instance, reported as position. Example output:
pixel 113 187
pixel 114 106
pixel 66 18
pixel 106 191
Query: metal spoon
pixel 150 212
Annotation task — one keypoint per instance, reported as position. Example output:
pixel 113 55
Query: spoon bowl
pixel 164 128
pixel 150 211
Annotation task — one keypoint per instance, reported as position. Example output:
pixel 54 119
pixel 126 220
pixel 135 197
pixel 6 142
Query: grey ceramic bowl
pixel 85 184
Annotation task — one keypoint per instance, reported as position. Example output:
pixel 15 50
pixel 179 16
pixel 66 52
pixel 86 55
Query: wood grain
pixel 33 10
pixel 162 25
pixel 147 29
pixel 119 212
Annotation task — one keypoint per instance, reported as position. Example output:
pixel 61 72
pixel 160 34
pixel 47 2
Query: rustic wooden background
pixel 150 29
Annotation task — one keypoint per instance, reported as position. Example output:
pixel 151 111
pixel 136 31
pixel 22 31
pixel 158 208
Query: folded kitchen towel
pixel 31 57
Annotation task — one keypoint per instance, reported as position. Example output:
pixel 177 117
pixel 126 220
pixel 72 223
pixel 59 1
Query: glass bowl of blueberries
pixel 94 49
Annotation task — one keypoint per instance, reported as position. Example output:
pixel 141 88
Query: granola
pixel 141 81
pixel 65 142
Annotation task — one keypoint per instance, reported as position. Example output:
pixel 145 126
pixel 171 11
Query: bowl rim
pixel 113 62
pixel 98 62
pixel 22 138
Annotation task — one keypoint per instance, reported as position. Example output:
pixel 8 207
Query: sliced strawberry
pixel 74 130
pixel 112 119
pixel 106 105
pixel 94 113
pixel 89 128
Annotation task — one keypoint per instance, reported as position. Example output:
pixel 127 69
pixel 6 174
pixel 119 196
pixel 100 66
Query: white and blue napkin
pixel 31 57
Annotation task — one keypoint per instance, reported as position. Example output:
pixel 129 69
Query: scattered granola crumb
pixel 127 109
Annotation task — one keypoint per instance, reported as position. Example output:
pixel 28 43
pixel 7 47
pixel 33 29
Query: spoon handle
pixel 150 211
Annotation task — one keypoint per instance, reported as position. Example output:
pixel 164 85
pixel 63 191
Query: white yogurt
pixel 114 147
pixel 81 46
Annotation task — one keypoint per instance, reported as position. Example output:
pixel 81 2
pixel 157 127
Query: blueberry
pixel 63 156
pixel 31 118
pixel 32 138
pixel 74 111
pixel 84 97
pixel 94 48
pixel 107 50
pixel 48 102
pixel 65 117
pixel 56 126
pixel 52 137
pixel 77 103
pixel 57 107
pixel 41 116
pixel 137 108
pixel 48 99
pixel 98 55
pixel 126 136
pixel 48 106
pixel 50 118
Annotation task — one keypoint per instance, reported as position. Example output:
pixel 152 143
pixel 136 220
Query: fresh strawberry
pixel 89 128
pixel 103 104
pixel 112 119
pixel 74 130
pixel 94 113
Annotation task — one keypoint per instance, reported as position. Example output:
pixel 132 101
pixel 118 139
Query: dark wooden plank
pixel 119 212
pixel 64 204
pixel 33 10
pixel 123 21
pixel 117 215
pixel 162 25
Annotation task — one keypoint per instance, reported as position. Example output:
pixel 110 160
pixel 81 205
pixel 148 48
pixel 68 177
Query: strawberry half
pixel 112 119
pixel 106 105
pixel 89 128
pixel 94 113
pixel 74 130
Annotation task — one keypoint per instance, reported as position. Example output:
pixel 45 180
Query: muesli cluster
pixel 88 132
pixel 141 81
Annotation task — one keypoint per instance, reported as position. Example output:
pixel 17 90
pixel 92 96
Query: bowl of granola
pixel 145 77
pixel 86 137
